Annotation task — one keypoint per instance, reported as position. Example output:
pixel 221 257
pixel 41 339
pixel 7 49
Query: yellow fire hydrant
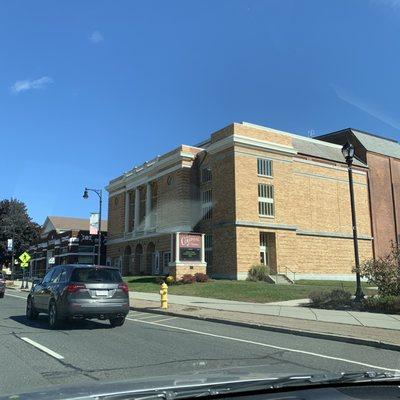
pixel 164 295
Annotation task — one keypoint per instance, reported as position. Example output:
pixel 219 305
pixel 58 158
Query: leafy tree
pixel 15 223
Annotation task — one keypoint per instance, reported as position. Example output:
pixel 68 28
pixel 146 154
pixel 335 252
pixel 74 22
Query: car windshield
pixel 196 192
pixel 95 275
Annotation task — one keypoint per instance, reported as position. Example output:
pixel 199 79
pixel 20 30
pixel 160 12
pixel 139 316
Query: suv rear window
pixel 96 275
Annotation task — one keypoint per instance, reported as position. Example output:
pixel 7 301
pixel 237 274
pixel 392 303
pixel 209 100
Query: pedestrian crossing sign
pixel 24 257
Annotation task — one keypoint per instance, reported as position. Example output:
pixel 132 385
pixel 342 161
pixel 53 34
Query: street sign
pixel 24 257
pixel 24 265
pixel 52 260
pixel 9 244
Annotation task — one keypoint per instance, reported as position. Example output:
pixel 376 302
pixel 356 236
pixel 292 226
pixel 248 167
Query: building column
pixel 203 250
pixel 126 212
pixel 148 206
pixel 137 208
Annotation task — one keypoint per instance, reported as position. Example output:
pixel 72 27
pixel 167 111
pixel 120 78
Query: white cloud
pixel 368 107
pixel 30 84
pixel 96 37
pixel 393 4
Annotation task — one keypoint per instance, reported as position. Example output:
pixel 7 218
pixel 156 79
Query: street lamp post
pixel 348 153
pixel 100 194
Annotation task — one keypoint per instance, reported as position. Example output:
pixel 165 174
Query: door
pixel 155 263
pixel 41 291
pixel 264 256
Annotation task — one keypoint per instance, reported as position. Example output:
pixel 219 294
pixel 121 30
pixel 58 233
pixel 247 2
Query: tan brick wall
pixel 177 203
pixel 301 254
pixel 224 252
pixel 262 134
pixel 116 215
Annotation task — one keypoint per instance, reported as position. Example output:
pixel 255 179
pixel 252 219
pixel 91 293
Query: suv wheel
pixel 1 295
pixel 119 321
pixel 31 312
pixel 54 320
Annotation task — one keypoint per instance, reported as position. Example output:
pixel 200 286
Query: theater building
pixel 254 195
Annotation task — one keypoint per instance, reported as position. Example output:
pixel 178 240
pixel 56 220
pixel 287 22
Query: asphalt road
pixel 156 345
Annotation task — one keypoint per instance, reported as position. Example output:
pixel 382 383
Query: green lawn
pixel 239 290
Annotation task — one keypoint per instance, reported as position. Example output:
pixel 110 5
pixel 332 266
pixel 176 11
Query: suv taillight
pixel 74 287
pixel 124 287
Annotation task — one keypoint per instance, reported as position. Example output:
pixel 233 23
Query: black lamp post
pixel 100 194
pixel 348 154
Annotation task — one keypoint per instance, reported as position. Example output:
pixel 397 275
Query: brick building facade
pixel 382 156
pixel 66 240
pixel 258 195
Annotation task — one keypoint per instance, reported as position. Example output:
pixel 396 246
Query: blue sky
pixel 88 89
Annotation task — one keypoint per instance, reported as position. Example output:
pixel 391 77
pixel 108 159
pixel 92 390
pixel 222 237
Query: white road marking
pixel 164 319
pixel 42 348
pixel 309 353
pixel 13 295
pixel 148 316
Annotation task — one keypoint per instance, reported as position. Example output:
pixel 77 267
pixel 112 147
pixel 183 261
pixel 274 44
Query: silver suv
pixel 2 285
pixel 79 292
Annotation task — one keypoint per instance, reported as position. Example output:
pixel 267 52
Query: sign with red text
pixel 190 246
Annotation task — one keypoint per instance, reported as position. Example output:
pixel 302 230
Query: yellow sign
pixel 24 265
pixel 24 257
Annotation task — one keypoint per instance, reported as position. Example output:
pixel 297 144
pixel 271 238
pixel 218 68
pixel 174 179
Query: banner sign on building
pixel 9 244
pixel 94 223
pixel 190 246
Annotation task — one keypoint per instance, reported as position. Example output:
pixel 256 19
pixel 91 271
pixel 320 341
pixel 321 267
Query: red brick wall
pixel 395 169
pixel 381 203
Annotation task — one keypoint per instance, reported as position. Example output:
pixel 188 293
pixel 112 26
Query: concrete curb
pixel 272 328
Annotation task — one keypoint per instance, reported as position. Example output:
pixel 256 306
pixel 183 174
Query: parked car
pixel 79 292
pixel 2 285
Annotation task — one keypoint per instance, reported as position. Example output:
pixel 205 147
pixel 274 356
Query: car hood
pixel 92 390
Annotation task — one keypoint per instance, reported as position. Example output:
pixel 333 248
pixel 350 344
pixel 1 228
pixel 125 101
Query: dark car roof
pixel 85 266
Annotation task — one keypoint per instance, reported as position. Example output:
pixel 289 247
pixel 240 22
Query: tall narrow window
pixel 154 194
pixel 206 175
pixel 206 204
pixel 131 213
pixel 264 167
pixel 265 200
pixel 208 249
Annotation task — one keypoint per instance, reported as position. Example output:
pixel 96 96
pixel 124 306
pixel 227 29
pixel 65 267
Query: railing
pixel 287 270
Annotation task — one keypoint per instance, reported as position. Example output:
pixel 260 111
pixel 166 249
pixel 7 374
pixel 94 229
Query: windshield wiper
pixel 254 385
pixel 318 379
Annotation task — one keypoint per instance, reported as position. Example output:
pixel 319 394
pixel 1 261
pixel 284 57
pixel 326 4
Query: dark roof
pixel 371 142
pixel 320 149
pixel 71 223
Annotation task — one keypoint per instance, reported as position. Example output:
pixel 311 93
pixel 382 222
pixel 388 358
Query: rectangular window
pixel 206 204
pixel 206 175
pixel 265 200
pixel 264 167
pixel 85 249
pixel 166 258
pixel 208 249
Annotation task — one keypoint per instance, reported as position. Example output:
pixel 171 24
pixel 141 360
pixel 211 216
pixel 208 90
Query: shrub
pixel 336 298
pixel 258 273
pixel 200 277
pixel 384 272
pixel 169 280
pixel 319 298
pixel 188 278
pixel 382 304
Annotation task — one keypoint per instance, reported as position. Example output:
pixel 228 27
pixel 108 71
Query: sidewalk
pixel 367 329
pixel 288 309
